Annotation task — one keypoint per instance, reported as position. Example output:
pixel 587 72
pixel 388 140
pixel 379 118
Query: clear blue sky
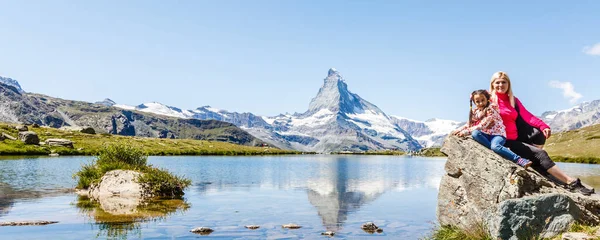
pixel 413 59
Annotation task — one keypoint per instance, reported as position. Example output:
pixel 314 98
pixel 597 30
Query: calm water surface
pixel 320 193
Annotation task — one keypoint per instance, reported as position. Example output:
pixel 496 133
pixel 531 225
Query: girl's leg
pixel 481 138
pixel 497 145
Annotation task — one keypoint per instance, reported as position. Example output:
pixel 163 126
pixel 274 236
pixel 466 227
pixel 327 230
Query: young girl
pixel 486 127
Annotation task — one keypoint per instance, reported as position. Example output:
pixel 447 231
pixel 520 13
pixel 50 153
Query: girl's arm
pixel 486 122
pixel 460 130
pixel 530 118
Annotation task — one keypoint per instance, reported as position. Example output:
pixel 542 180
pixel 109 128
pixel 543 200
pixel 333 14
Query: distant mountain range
pixel 336 120
pixel 17 106
pixel 582 115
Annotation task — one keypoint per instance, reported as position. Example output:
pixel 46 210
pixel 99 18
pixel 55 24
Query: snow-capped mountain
pixel 430 133
pixel 582 115
pixel 336 120
pixel 11 82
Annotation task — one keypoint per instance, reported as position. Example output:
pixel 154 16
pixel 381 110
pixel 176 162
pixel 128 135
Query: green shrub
pixel 454 233
pixel 163 183
pixel 112 157
pixel 87 176
pixel 122 153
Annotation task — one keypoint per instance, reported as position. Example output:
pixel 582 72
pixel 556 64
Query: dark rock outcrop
pixel 88 130
pixel 481 187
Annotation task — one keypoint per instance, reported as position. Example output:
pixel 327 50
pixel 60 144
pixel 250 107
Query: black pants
pixel 538 157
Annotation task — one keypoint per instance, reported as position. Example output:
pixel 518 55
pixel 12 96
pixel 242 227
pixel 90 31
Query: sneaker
pixel 524 162
pixel 576 186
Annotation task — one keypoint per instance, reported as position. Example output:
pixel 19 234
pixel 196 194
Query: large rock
pixel 119 192
pixel 21 128
pixel 59 142
pixel 481 187
pixel 29 137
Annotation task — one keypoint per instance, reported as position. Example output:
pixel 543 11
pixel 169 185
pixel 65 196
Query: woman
pixel 510 110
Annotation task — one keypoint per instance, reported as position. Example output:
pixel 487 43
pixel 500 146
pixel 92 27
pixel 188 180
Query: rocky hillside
pixel 582 115
pixel 579 145
pixel 17 106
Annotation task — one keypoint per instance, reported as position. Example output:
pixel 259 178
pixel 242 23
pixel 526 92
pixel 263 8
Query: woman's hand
pixel 547 132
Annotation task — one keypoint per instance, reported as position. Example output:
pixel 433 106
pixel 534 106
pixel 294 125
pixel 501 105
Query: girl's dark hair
pixel 476 92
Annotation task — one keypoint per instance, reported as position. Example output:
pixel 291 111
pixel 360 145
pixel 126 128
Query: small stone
pixel 202 230
pixel 26 223
pixel 21 128
pixel 379 230
pixel 369 226
pixel 577 236
pixel 328 233
pixel 80 149
pixel 252 227
pixel 291 226
pixel 59 142
pixel 35 125
pixel 9 136
pixel 53 155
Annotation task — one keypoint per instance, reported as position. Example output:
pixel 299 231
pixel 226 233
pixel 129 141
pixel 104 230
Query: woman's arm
pixel 530 118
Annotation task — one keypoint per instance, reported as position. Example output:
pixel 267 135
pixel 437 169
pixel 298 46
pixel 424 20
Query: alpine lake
pixel 318 192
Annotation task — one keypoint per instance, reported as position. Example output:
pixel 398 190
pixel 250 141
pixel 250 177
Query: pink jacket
pixel 509 116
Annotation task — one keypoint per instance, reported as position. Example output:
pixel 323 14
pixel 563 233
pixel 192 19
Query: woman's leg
pixel 539 157
pixel 497 145
pixel 560 175
pixel 481 138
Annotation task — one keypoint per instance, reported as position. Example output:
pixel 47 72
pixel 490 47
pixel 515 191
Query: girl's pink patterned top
pixel 487 120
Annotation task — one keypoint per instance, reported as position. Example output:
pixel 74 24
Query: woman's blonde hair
pixel 504 76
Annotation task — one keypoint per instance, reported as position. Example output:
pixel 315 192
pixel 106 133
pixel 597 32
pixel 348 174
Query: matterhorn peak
pixel 333 74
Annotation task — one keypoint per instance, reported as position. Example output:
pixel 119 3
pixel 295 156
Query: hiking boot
pixel 576 186
pixel 524 162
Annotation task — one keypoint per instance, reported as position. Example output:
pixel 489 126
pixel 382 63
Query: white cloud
pixel 593 50
pixel 568 90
